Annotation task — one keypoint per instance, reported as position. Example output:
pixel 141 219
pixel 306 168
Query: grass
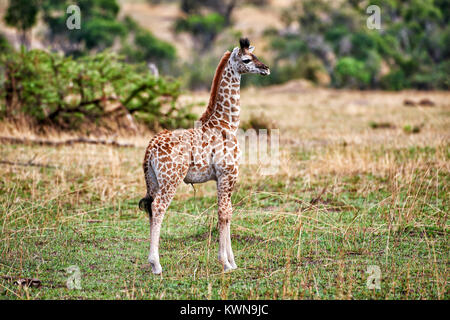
pixel 344 197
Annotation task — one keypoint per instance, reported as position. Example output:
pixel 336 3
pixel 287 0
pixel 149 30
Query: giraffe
pixel 209 151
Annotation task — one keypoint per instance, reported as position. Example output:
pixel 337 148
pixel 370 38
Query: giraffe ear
pixel 251 48
pixel 235 51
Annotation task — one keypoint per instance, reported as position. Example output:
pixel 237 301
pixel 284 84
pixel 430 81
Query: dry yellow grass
pixel 335 122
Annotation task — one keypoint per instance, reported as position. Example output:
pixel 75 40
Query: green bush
pixel 5 46
pixel 350 72
pixel 433 77
pixel 307 66
pixel 394 80
pixel 142 46
pixel 51 89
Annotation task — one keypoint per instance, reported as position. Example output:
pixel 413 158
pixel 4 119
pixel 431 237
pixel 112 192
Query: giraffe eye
pixel 246 61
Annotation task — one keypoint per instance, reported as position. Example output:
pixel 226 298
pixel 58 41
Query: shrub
pixel 141 45
pixel 350 72
pixel 258 122
pixel 394 80
pixel 5 46
pixel 51 89
pixel 411 128
pixel 381 125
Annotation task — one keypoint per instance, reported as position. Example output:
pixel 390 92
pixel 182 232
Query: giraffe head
pixel 244 61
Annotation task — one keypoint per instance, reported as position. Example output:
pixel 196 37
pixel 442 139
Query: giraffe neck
pixel 225 114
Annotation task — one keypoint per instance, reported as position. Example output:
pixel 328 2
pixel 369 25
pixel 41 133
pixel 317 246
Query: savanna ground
pixel 363 180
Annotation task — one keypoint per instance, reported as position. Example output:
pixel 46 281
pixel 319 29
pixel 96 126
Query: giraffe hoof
pixel 156 266
pixel 156 269
pixel 227 267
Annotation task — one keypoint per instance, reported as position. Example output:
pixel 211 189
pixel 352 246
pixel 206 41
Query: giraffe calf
pixel 207 152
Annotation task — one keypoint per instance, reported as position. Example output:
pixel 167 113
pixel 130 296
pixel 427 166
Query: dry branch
pixel 27 164
pixel 13 140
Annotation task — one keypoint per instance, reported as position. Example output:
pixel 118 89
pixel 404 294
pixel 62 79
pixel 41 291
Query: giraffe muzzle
pixel 265 71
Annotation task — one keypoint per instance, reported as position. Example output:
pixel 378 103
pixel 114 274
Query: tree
pixel 205 27
pixel 22 15
pixel 100 27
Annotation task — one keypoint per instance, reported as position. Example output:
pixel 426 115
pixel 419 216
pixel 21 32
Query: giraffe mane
pixel 215 87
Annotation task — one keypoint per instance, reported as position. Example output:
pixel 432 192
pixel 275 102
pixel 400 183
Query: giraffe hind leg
pixel 145 204
pixel 161 202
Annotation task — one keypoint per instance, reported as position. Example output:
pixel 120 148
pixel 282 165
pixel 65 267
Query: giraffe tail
pixel 145 204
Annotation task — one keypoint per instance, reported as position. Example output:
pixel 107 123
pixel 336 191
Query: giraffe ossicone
pixel 209 151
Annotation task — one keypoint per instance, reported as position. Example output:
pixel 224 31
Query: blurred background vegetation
pixel 135 57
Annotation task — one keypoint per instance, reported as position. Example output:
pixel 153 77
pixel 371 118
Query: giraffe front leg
pixel 223 244
pixel 230 254
pixel 225 185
